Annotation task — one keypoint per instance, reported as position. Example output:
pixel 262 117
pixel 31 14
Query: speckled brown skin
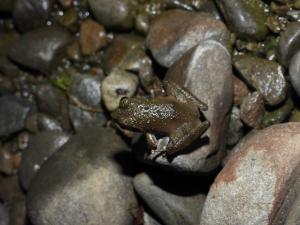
pixel 176 115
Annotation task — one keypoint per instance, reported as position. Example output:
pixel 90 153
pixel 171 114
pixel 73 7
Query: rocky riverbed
pixel 67 65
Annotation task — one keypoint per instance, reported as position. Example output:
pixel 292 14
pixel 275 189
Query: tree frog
pixel 176 115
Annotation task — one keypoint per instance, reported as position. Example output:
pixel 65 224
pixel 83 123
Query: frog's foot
pixel 151 140
pixel 161 148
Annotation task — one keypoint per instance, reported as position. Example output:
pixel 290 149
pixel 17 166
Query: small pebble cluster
pixel 66 64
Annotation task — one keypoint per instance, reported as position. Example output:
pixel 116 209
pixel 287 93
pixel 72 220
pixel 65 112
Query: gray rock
pixel 149 220
pixel 39 122
pixel 294 72
pixel 13 114
pixel 4 219
pixel 267 77
pixel 85 182
pixel 172 209
pixel 258 184
pixel 31 14
pixel 117 14
pixel 206 72
pixel 289 43
pixel 41 49
pixel 117 85
pixel 246 18
pixel 177 36
pixel 235 128
pixel 41 147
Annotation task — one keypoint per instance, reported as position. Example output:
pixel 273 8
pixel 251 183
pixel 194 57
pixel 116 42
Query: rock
pixel 4 218
pixel 211 8
pixel 41 49
pixel 267 77
pixel 258 184
pixel 41 147
pixel 39 122
pixel 53 102
pixel 252 110
pixel 66 3
pixel 115 14
pixel 206 72
pixel 149 220
pixel 92 37
pixel 31 14
pixel 172 209
pixel 13 114
pixel 85 182
pixel 9 161
pixel 74 52
pixel 294 72
pixel 6 85
pixel 117 85
pixel 289 43
pixel 235 128
pixel 177 36
pixel 295 115
pixel 240 90
pixel 246 18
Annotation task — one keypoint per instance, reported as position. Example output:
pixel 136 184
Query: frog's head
pixel 125 114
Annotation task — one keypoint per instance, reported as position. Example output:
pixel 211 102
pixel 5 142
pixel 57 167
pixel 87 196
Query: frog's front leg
pixel 151 140
pixel 185 135
pixel 182 95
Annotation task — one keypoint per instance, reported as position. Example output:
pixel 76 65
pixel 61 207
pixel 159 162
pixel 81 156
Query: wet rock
pixel 13 114
pixel 41 147
pixel 74 52
pixel 85 182
pixel 118 84
pixel 53 102
pixel 252 110
pixel 177 36
pixel 206 72
pixel 235 129
pixel 39 122
pixel 289 43
pixel 258 184
pixel 246 18
pixel 41 49
pixel 116 14
pixel 171 208
pixel 267 77
pixel 92 37
pixel 294 72
pixel 211 8
pixel 31 14
pixel 240 90
pixel 4 218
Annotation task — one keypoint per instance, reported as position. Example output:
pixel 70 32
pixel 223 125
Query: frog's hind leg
pixel 184 136
pixel 182 94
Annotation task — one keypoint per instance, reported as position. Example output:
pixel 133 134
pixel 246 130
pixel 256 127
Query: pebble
pixel 289 43
pixel 113 14
pixel 240 90
pixel 116 85
pixel 206 72
pixel 294 72
pixel 86 182
pixel 31 14
pixel 9 161
pixel 177 36
pixel 13 114
pixel 267 77
pixel 246 18
pixel 92 37
pixel 172 209
pixel 258 184
pixel 252 110
pixel 41 49
pixel 39 122
pixel 41 147
pixel 235 129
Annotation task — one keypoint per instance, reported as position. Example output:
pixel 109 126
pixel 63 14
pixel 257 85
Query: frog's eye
pixel 124 102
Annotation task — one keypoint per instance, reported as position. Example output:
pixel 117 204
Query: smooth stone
pixel 41 49
pixel 177 36
pixel 116 85
pixel 114 14
pixel 289 43
pixel 235 128
pixel 258 185
pixel 206 72
pixel 267 77
pixel 171 208
pixel 31 14
pixel 149 220
pixel 41 147
pixel 240 90
pixel 39 122
pixel 13 114
pixel 252 110
pixel 86 182
pixel 246 18
pixel 53 102
pixel 294 72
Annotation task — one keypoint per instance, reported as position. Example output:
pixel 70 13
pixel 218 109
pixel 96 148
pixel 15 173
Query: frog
pixel 177 115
